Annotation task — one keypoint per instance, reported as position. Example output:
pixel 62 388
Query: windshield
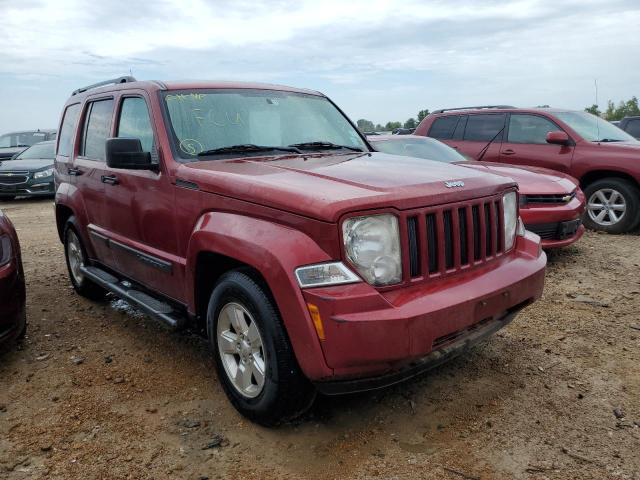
pixel 418 147
pixel 593 128
pixel 21 139
pixel 39 150
pixel 204 120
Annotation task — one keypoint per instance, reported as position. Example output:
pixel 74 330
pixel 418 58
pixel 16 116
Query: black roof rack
pixel 479 107
pixel 113 81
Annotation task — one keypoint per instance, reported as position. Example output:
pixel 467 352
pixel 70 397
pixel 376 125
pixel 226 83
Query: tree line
pixel 623 109
pixel 368 126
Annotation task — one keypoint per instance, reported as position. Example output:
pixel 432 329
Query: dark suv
pixel 631 125
pixel 13 143
pixel 260 214
pixel 605 159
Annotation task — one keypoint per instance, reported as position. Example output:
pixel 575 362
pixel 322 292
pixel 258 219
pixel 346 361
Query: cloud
pixel 385 60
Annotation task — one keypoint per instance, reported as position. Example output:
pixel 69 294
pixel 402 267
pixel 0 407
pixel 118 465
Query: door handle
pixel 74 172
pixel 110 179
pixel 508 151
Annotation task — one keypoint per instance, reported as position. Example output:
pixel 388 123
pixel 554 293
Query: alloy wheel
pixel 606 206
pixel 241 349
pixel 76 258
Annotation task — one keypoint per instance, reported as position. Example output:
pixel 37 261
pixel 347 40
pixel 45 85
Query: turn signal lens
pixel 317 320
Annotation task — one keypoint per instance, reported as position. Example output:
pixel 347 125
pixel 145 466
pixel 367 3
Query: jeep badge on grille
pixel 453 184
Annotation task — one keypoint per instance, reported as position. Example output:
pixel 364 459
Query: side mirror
pixel 558 138
pixel 127 153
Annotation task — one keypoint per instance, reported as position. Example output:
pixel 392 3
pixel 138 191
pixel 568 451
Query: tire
pixel 284 393
pixel 613 205
pixel 74 252
pixel 7 199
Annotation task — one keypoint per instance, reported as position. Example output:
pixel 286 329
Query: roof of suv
pixel 124 83
pixel 496 109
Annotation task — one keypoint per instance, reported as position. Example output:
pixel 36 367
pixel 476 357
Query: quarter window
pixel 67 130
pixel 529 129
pixel 483 128
pixel 444 127
pixel 135 122
pixel 633 128
pixel 97 129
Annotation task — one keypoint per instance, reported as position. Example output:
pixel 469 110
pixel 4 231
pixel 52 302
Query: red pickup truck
pixel 603 158
pixel 260 214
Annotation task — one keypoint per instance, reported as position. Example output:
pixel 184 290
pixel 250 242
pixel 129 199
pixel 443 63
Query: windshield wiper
pixel 247 148
pixel 323 146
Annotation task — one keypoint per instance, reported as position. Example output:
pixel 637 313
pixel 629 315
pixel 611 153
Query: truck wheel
pixel 253 357
pixel 7 199
pixel 613 205
pixel 76 257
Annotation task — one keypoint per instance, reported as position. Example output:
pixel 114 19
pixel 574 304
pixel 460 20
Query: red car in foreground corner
pixel 13 323
pixel 551 203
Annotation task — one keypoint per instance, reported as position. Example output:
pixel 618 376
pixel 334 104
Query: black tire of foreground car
pixel 613 205
pixel 7 199
pixel 76 256
pixel 253 356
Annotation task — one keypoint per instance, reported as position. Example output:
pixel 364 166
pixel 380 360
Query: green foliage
pixel 365 125
pixel 411 123
pixel 593 109
pixel 392 125
pixel 422 114
pixel 613 112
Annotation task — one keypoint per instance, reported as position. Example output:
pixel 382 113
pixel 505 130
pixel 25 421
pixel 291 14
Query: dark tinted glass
pixel 633 128
pixel 444 127
pixel 135 123
pixel 529 129
pixel 482 128
pixel 67 129
pixel 39 150
pixel 98 129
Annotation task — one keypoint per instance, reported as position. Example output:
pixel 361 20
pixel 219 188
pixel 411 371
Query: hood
pixel 325 186
pixel 530 180
pixel 25 165
pixel 8 152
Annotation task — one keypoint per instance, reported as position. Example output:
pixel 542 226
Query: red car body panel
pixel 12 287
pixel 275 214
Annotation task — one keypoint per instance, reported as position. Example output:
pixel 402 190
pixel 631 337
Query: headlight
pixel 5 250
pixel 44 173
pixel 372 245
pixel 325 274
pixel 509 218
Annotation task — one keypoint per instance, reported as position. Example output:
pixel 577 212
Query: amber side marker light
pixel 317 320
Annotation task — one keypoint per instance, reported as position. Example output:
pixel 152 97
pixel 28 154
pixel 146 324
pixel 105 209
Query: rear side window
pixel 134 122
pixel 97 129
pixel 482 128
pixel 67 130
pixel 633 128
pixel 529 129
pixel 444 127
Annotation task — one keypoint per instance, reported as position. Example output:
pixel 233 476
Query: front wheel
pixel 613 205
pixel 253 357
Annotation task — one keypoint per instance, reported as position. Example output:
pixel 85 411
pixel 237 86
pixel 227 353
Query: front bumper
pixel 384 337
pixel 557 225
pixel 31 188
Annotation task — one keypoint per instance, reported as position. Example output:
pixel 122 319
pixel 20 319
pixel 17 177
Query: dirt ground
pixel 97 391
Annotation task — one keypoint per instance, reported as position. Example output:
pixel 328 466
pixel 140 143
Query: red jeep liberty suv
pixel 603 158
pixel 260 214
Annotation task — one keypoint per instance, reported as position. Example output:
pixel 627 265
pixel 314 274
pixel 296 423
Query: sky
pixel 379 60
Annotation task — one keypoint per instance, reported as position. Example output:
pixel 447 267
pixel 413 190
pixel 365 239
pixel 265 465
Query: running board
pixel 151 306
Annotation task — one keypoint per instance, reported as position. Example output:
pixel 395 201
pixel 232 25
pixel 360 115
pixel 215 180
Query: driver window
pixel 134 122
pixel 529 129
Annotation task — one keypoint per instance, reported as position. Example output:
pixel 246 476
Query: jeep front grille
pixel 450 238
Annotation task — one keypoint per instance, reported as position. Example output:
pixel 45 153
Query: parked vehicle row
pixel 313 262
pixel 602 157
pixel 13 143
